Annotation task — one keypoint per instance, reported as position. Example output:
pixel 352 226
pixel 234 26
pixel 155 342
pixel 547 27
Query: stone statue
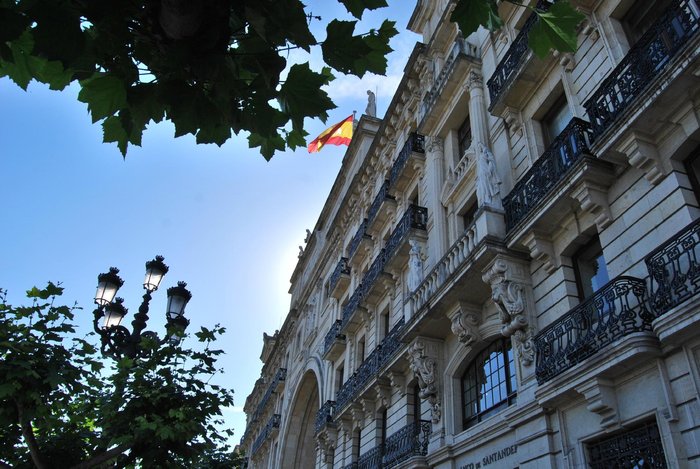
pixel 415 266
pixel 301 252
pixel 488 184
pixel 371 109
pixel 308 236
pixel 425 370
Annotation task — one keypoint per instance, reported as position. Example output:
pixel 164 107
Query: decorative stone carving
pixel 465 326
pixel 602 400
pixel 475 80
pixel 415 266
pixel 488 184
pixel 513 120
pixel 510 300
pixel 425 370
pixel 371 109
pixel 435 144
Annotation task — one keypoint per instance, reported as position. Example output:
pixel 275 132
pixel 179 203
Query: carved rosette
pixel 425 370
pixel 474 80
pixel 435 144
pixel 510 300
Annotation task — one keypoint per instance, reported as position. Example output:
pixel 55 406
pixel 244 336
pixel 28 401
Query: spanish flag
pixel 338 134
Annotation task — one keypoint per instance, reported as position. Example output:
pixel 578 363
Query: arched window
pixel 488 383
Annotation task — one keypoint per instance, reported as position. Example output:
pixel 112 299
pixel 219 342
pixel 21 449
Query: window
pixel 416 403
pixel 640 17
pixel 488 383
pixel 591 270
pixel 385 323
pixel 360 351
pixel 339 371
pixel 556 120
pixel 635 448
pixel 383 429
pixel 464 137
pixel 469 215
pixel 692 166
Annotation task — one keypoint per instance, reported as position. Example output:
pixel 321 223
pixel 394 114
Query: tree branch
pixel 29 439
pixel 104 457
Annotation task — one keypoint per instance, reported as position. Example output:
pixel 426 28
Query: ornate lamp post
pixel 117 340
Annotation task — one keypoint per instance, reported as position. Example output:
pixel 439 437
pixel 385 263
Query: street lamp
pixel 117 340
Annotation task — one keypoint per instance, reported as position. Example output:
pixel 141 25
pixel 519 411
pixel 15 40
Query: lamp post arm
pixel 98 313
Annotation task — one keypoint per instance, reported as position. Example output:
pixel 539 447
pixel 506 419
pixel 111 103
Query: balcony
pixel 413 221
pixel 324 417
pixel 643 63
pixel 410 441
pixel 334 343
pixel 519 72
pixel 361 238
pixel 547 172
pixel 674 270
pixel 410 159
pixel 382 207
pixel 272 425
pixel 372 459
pixel 369 368
pixel 460 268
pixel 462 58
pixel 617 310
pixel 340 279
pixel 280 376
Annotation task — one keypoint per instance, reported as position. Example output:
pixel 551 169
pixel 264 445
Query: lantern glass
pixel 155 270
pixel 176 329
pixel 107 286
pixel 114 313
pixel 178 297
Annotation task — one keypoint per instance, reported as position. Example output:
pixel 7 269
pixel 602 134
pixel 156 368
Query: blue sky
pixel 228 222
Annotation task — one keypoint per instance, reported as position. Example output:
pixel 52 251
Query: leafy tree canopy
pixel 62 407
pixel 213 67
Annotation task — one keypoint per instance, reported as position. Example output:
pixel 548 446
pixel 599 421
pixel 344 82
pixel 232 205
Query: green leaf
pixel 470 14
pixel 556 29
pixel 104 94
pixel 113 131
pixel 358 7
pixel 357 54
pixel 268 145
pixel 19 68
pixel 12 24
pixel 301 94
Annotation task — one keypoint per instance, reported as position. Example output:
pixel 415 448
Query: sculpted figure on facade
pixel 425 370
pixel 371 109
pixel 510 300
pixel 488 184
pixel 415 266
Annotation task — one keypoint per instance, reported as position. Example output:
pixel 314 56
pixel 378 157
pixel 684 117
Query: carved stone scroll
pixel 510 300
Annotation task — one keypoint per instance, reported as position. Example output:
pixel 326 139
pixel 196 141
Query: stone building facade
pixel 505 273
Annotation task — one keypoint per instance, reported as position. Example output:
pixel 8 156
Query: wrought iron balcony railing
pixel 372 459
pixel 645 60
pixel 616 310
pixel 370 367
pixel 352 304
pixel 272 424
pixel 324 417
pixel 415 218
pixel 333 335
pixel 674 269
pixel 508 68
pixel 415 143
pixel 281 375
pixel 460 48
pixel 377 203
pixel 357 239
pixel 411 440
pixel 343 268
pixel 547 171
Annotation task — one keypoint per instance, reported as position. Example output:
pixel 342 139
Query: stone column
pixel 477 108
pixel 437 241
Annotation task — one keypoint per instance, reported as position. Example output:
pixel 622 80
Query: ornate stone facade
pixel 505 272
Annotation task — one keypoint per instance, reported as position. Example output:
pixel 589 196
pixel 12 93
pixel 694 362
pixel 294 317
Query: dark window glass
pixel 692 166
pixel 416 403
pixel 468 215
pixel 556 119
pixel 464 137
pixel 591 270
pixel 641 16
pixel 488 383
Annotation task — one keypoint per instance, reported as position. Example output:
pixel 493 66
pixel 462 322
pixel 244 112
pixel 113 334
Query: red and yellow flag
pixel 338 134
